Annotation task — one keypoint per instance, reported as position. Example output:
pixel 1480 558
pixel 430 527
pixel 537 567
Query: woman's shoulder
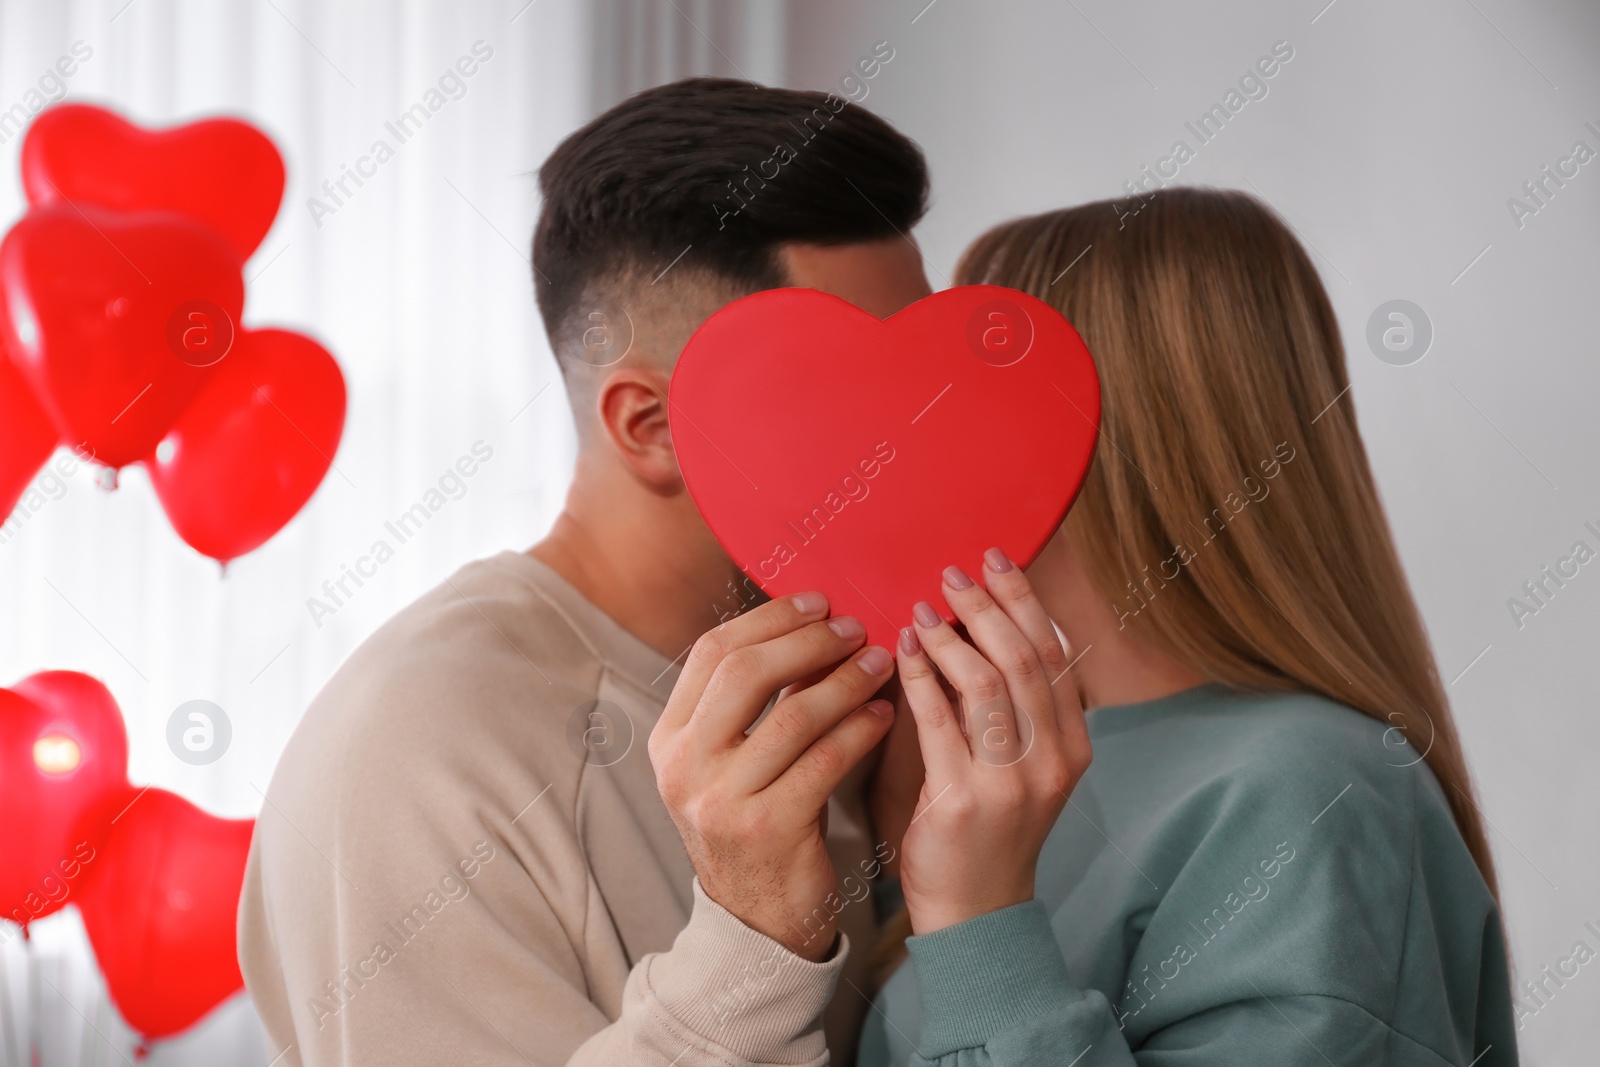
pixel 1292 751
pixel 1223 781
pixel 1303 848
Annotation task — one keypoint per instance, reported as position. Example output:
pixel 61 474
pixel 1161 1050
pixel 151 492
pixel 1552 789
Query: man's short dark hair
pixel 713 174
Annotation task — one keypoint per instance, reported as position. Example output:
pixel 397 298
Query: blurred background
pixel 1397 139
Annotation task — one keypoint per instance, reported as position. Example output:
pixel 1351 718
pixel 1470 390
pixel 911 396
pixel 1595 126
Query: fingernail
pixel 847 626
pixel 810 603
pixel 876 660
pixel 926 617
pixel 956 578
pixel 909 645
pixel 882 709
pixel 996 561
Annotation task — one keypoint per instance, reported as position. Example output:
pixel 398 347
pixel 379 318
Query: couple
pixel 540 818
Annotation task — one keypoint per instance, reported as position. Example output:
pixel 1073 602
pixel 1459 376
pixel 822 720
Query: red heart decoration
pixel 63 749
pixel 26 436
pixel 159 906
pixel 89 304
pixel 831 450
pixel 249 451
pixel 222 172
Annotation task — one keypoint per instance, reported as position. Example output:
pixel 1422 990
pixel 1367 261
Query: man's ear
pixel 632 409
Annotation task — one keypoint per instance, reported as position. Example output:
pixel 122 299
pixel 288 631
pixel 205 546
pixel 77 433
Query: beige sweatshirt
pixel 463 858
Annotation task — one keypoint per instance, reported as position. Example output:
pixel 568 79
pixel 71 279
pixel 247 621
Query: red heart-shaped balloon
pixel 26 436
pixel 831 450
pixel 222 172
pixel 159 905
pixel 63 749
pixel 249 451
pixel 98 310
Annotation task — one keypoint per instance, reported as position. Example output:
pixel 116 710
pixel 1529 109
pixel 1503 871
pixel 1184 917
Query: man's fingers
pixel 770 620
pixel 745 680
pixel 811 779
pixel 806 682
pixel 799 719
pixel 939 734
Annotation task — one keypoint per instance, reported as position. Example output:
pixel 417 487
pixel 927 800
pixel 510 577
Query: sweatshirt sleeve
pixel 1302 897
pixel 463 985
pixel 995 991
pixel 724 995
pixel 1375 942
pixel 436 877
pixel 390 917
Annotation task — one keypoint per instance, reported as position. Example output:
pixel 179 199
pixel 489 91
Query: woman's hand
pixel 1001 760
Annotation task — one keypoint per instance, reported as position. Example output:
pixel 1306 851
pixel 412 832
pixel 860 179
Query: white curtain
pixel 640 43
pixel 418 283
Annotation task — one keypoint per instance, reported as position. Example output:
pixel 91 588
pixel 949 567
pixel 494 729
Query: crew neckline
pixel 617 647
pixel 1117 718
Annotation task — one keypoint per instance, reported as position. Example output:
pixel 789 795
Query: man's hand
pixel 750 806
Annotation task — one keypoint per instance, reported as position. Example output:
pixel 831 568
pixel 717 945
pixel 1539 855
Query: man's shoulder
pixel 439 745
pixel 490 614
pixel 483 668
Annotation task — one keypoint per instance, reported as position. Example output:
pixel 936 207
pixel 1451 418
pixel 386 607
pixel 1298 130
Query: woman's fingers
pixel 798 720
pixel 1011 590
pixel 997 635
pixel 1004 644
pixel 991 725
pixel 939 734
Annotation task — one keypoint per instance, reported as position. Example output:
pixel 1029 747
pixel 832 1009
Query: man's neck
pixel 666 590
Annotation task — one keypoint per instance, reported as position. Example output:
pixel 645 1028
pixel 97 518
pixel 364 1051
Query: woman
pixel 1275 856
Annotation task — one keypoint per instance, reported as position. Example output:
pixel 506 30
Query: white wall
pixel 1391 142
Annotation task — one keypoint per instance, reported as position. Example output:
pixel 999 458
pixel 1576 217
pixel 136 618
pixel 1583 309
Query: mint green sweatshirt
pixel 1240 879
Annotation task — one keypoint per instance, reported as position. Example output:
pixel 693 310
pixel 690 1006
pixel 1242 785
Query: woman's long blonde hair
pixel 1218 353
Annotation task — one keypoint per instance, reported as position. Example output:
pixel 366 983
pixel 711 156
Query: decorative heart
pixel 159 906
pixel 249 451
pixel 26 436
pixel 222 172
pixel 63 749
pixel 832 450
pixel 99 312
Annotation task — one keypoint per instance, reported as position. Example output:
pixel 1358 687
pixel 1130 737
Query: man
pixel 463 856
